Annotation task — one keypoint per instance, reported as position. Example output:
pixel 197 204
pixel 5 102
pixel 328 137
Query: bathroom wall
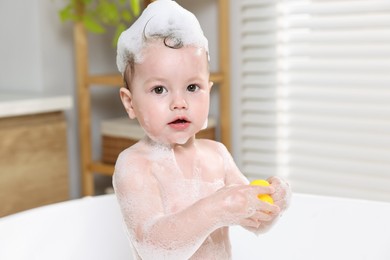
pixel 20 62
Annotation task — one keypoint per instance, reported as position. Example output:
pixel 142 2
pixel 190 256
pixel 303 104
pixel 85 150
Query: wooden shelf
pixel 116 80
pixel 113 80
pixel 102 168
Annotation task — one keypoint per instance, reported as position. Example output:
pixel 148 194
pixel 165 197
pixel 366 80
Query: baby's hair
pixel 176 42
pixel 129 66
pixel 170 40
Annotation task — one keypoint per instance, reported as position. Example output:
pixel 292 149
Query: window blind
pixel 315 97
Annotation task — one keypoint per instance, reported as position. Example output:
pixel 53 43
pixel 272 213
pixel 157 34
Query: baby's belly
pixel 216 246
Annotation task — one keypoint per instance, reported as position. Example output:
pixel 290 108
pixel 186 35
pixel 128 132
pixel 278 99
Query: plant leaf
pixel 108 13
pixel 66 13
pixel 135 6
pixel 127 16
pixel 92 25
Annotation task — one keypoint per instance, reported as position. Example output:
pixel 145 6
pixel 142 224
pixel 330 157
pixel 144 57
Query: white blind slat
pixel 359 36
pixel 334 7
pixel 336 22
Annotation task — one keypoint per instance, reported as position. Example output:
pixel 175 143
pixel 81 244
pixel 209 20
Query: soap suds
pixel 163 19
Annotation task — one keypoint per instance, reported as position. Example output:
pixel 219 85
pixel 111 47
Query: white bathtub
pixel 314 228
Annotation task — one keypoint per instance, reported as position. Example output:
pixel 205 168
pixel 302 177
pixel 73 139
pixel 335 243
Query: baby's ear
pixel 127 101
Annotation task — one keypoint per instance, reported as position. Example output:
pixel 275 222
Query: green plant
pixel 98 15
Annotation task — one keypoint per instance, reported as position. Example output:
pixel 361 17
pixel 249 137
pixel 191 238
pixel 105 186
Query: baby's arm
pixel 153 233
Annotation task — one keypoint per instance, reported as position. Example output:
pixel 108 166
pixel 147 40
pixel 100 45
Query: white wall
pixel 20 62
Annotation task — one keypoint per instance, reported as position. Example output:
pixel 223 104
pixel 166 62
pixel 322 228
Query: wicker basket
pixel 121 133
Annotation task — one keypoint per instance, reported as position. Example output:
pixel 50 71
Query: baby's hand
pixel 281 198
pixel 240 205
pixel 282 194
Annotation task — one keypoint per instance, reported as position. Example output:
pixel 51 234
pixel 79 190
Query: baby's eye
pixel 159 90
pixel 192 87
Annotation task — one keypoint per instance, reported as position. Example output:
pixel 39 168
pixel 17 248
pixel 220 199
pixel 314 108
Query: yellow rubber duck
pixel 263 197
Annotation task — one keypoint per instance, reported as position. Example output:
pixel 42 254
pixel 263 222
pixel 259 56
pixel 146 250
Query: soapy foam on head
pixel 161 19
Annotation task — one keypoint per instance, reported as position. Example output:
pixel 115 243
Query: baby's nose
pixel 178 102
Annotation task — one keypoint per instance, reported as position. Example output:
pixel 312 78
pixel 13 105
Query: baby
pixel 178 194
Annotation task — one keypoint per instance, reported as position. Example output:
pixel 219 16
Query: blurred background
pixel 303 91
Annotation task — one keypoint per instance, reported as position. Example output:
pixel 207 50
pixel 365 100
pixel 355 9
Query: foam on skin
pixel 177 193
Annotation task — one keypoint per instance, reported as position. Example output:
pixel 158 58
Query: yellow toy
pixel 263 197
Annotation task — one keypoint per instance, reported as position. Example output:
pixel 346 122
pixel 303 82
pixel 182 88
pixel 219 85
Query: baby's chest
pixel 181 193
pixel 182 185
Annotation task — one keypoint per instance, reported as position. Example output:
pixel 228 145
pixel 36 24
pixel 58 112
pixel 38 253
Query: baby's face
pixel 170 92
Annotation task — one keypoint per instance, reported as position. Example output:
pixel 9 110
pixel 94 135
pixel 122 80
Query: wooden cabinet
pixel 33 161
pixel 85 80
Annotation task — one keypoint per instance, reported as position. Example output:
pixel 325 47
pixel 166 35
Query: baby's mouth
pixel 179 121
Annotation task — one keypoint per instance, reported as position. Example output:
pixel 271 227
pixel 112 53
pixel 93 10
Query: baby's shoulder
pixel 131 168
pixel 131 155
pixel 213 150
pixel 131 160
pixel 212 145
pixel 215 157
